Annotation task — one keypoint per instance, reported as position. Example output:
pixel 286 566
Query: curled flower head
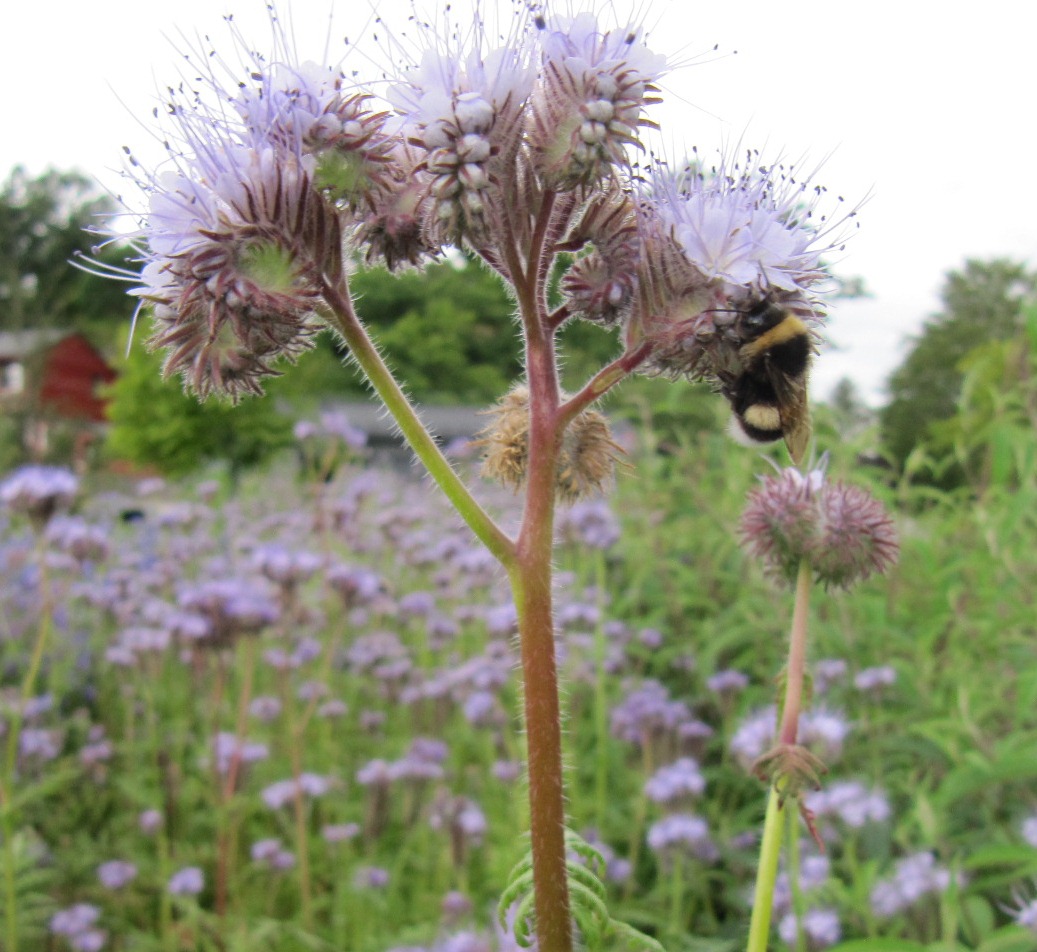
pixel 600 285
pixel 595 83
pixel 233 268
pixel 246 220
pixel 462 107
pixel 843 532
pixel 309 110
pixel 719 241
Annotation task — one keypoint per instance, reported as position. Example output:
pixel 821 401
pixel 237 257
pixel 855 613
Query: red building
pixel 48 378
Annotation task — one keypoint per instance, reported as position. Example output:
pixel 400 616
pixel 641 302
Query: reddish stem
pixel 531 583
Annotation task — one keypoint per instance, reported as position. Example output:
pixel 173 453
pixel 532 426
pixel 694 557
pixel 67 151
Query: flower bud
pixel 843 532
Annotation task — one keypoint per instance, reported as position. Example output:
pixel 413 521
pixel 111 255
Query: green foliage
pixel 42 222
pixel 585 871
pixel 992 435
pixel 981 303
pixel 449 331
pixel 154 423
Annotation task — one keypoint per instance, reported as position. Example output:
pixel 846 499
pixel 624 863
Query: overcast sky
pixel 928 106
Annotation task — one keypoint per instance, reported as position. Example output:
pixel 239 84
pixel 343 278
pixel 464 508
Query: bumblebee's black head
pixel 761 317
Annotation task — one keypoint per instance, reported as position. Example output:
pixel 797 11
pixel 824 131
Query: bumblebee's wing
pixel 793 408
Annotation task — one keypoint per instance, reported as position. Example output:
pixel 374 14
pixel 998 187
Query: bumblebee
pixel 769 393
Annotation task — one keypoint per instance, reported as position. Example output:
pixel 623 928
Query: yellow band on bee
pixel 788 329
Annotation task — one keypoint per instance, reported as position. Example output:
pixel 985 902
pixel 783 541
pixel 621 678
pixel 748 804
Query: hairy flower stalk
pixel 518 150
pixel 802 527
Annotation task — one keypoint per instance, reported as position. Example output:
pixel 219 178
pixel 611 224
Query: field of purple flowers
pixel 286 717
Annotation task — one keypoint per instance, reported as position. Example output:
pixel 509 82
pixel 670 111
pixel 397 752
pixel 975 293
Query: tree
pixel 42 229
pixel 155 424
pixel 981 302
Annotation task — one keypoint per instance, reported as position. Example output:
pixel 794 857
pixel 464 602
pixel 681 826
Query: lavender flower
pixel 229 749
pixel 682 832
pixel 116 873
pixel 588 105
pixel 462 109
pixel 149 821
pixel 272 854
pixel 39 492
pixel 821 927
pixel 189 881
pixel 340 832
pixel 243 230
pixel 827 672
pixel 232 607
pixel 850 802
pixel 74 920
pixel 727 682
pixel 675 782
pixel 874 679
pixel 84 542
pixel 914 878
pixel 1025 915
pixel 1029 830
pixel 283 792
pixel 590 523
pixel 371 877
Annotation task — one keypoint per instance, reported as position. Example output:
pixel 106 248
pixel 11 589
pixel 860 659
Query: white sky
pixel 929 105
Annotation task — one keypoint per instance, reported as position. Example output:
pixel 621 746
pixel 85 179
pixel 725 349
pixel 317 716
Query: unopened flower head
pixel 600 285
pixel 309 110
pixel 719 241
pixel 588 106
pixel 462 107
pixel 843 532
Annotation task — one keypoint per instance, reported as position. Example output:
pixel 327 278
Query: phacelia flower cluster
pixel 843 532
pixel 39 492
pixel 589 106
pixel 716 241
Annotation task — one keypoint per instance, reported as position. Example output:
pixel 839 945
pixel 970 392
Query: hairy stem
pixel 795 668
pixel 531 584
pixel 773 824
pixel 343 318
pixel 603 381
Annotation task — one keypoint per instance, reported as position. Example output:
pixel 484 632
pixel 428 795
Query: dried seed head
pixel 586 460
pixel 506 440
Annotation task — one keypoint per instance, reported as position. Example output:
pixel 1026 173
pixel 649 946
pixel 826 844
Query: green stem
pixel 767 874
pixel 798 899
pixel 343 318
pixel 302 846
pixel 228 813
pixel 773 825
